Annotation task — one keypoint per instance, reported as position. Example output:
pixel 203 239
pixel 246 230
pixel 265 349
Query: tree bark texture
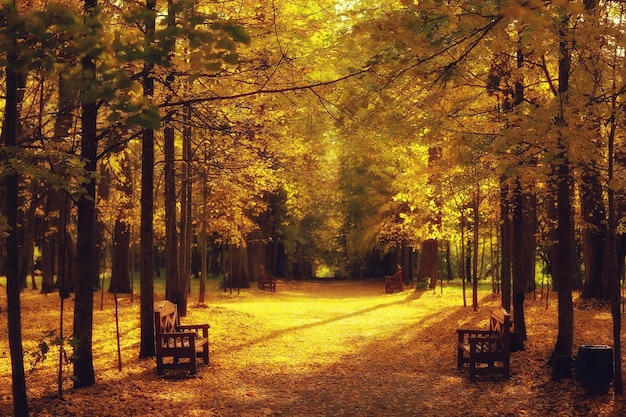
pixel 121 275
pixel 427 262
pixel 173 289
pixel 562 252
pixel 11 191
pixel 84 374
pixel 523 246
pixel 594 228
pixel 146 265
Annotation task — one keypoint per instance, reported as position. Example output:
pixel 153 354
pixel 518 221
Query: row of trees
pixel 316 133
pixel 523 98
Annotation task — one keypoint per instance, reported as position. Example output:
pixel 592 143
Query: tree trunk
pixel 203 238
pixel 506 234
pixel 611 265
pixel 173 290
pixel 524 227
pixel 121 274
pixel 597 284
pixel 462 271
pixel 186 213
pixel 120 269
pixel 146 272
pixel 449 274
pixel 562 253
pixel 84 375
pixel 14 287
pixel 475 228
pixel 427 262
pixel 26 233
pixel 406 262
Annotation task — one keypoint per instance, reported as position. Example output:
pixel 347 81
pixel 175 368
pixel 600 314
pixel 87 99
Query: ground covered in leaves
pixel 319 348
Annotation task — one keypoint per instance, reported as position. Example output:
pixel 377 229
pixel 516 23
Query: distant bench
pixel 265 280
pixel 394 282
pixel 175 342
pixel 490 347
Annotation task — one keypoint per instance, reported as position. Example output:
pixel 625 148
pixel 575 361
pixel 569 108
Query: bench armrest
pixel 485 339
pixel 182 335
pixel 196 328
pixel 473 332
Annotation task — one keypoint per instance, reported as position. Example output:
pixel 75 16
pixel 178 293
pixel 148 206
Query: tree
pixel 120 264
pixel 562 252
pixel 84 374
pixel 11 187
pixel 429 255
pixel 146 272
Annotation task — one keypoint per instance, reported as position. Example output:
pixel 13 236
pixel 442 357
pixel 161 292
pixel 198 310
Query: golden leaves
pixel 318 348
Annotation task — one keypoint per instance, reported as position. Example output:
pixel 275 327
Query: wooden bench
pixel 265 280
pixel 491 348
pixel 394 282
pixel 178 346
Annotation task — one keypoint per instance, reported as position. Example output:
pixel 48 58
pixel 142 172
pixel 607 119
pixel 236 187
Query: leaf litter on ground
pixel 313 348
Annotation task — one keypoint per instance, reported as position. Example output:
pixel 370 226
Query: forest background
pixel 346 137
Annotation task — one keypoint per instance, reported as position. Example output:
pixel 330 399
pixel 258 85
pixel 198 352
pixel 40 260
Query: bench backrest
pixel 500 324
pixel 397 275
pixel 166 318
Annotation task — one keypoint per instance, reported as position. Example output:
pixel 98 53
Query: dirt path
pixel 326 349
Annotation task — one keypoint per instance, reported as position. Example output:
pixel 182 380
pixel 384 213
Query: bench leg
pixel 193 366
pixel 205 353
pixel 159 365
pixel 472 369
pixel 460 360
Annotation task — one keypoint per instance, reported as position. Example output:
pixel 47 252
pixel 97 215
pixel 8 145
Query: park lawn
pixel 315 348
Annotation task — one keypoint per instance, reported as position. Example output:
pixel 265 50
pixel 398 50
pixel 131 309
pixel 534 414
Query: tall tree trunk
pixel 146 266
pixel 185 220
pixel 563 253
pixel 121 269
pixel 203 238
pixel 449 274
pixel 611 264
pixel 84 374
pixel 594 233
pixel 173 290
pixel 523 246
pixel 406 262
pixel 58 250
pixel 506 236
pixel 597 282
pixel 427 261
pixel 475 228
pixel 27 238
pixel 14 287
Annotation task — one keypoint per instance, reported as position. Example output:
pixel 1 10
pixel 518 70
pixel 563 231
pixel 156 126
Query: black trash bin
pixel 594 368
